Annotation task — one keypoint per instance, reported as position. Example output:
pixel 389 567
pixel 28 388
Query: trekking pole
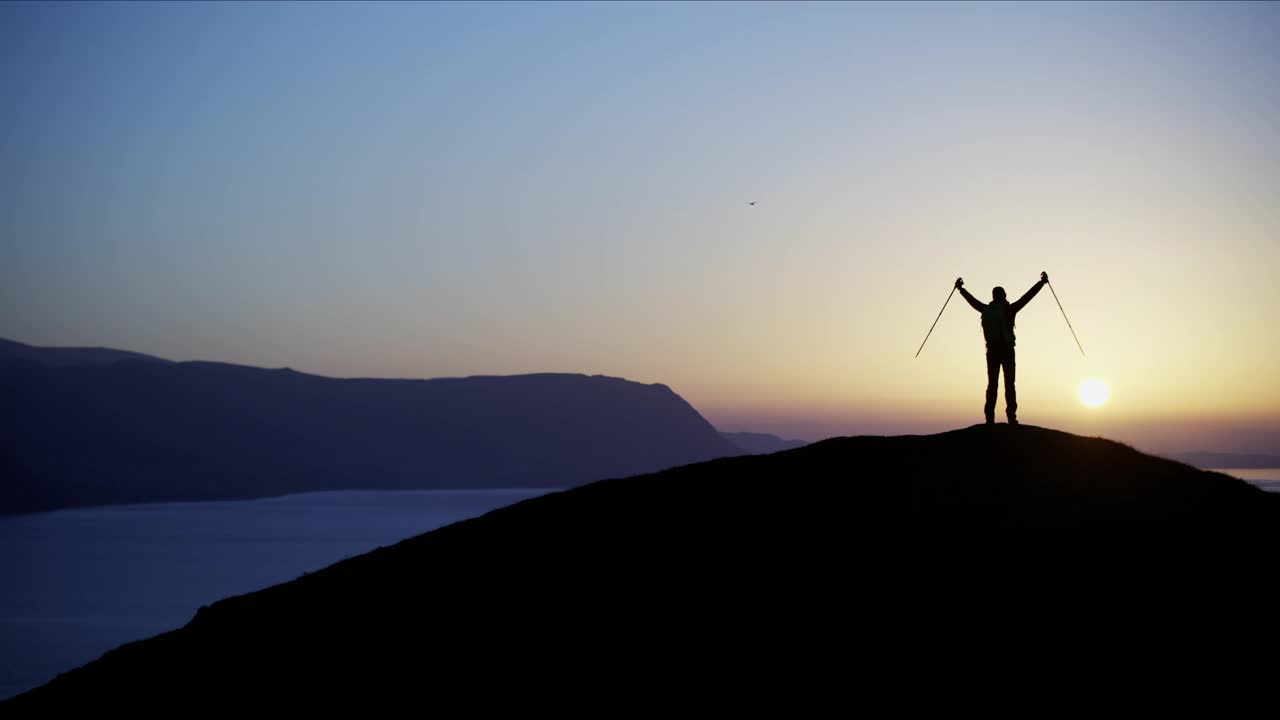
pixel 1064 317
pixel 935 320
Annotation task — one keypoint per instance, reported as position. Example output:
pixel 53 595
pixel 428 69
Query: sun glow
pixel 1093 392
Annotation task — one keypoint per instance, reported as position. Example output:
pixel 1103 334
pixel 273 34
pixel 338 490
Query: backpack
pixel 997 325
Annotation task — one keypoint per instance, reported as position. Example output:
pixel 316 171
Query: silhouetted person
pixel 997 328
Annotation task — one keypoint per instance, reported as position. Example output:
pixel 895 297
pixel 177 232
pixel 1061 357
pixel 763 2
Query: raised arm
pixel 1022 301
pixel 973 301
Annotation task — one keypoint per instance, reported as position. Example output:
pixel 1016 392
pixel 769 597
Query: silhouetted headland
pixel 993 571
pixel 761 443
pixel 123 428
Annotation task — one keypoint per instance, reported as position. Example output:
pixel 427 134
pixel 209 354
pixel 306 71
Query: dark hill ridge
pixel 1006 572
pixel 134 431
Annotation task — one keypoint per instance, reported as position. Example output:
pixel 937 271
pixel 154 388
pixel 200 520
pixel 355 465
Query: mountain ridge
pixel 77 355
pixel 133 431
pixel 758 443
pixel 1210 460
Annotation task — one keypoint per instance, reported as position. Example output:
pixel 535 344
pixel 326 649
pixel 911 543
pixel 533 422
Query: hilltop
pixel 1004 571
pixel 107 426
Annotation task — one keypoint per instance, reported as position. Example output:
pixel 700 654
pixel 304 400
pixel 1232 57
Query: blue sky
pixel 451 189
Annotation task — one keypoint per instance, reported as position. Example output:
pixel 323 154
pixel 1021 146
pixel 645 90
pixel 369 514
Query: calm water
pixel 80 582
pixel 1266 478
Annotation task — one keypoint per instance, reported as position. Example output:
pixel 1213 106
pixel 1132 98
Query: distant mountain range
pixel 761 443
pixel 1008 572
pixel 83 426
pixel 1229 460
pixel 69 356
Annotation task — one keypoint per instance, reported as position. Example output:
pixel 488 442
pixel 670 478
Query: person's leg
pixel 993 383
pixel 1010 390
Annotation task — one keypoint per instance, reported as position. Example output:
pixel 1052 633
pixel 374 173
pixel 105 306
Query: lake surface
pixel 80 582
pixel 1266 478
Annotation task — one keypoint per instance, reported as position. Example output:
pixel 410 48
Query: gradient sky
pixel 452 189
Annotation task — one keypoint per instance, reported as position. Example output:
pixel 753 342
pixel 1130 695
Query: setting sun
pixel 1093 392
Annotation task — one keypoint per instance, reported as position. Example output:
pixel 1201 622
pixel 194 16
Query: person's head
pixel 997 294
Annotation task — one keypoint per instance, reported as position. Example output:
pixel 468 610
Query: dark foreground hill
pixel 996 572
pixel 145 431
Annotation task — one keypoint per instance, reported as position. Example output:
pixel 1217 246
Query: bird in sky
pixel 751 202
